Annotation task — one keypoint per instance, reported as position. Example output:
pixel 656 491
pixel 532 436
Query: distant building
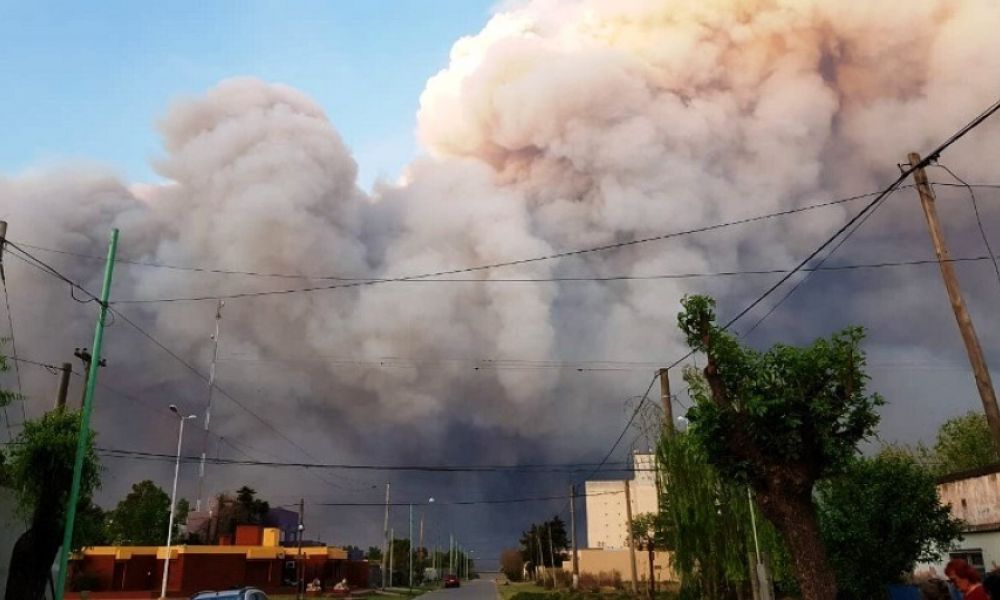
pixel 607 548
pixel 605 503
pixel 255 557
pixel 974 497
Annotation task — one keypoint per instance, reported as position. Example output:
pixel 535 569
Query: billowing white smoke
pixel 561 125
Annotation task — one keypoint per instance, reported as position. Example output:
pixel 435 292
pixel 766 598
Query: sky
pixel 549 127
pixel 87 80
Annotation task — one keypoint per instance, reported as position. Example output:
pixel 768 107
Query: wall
pixel 605 505
pixel 975 500
pixel 595 561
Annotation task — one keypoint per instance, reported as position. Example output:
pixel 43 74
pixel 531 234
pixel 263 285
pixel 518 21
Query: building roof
pixel 969 474
pixel 251 552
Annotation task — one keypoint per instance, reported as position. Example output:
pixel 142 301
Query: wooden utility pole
pixel 668 406
pixel 979 368
pixel 572 529
pixel 85 357
pixel 631 538
pixel 63 390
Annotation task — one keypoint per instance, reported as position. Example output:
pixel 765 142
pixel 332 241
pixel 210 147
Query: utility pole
pixel 572 528
pixel 208 407
pixel 420 545
pixel 980 370
pixel 631 538
pixel 61 393
pixel 84 434
pixel 85 357
pixel 541 555
pixel 409 546
pixel 300 571
pixel 668 406
pixel 552 553
pixel 386 542
pixel 392 539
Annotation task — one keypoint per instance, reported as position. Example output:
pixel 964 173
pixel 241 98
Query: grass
pixel 508 591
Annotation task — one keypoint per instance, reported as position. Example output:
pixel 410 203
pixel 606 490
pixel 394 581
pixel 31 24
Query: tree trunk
pixel 652 580
pixel 31 562
pixel 794 515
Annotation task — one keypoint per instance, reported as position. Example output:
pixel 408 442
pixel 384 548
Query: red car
pixel 451 581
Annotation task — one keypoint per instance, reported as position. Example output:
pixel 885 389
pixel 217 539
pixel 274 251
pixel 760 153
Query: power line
pixel 13 341
pixel 276 275
pixel 355 281
pixel 905 174
pixel 809 274
pixel 465 502
pixel 979 219
pixel 615 246
pixel 543 468
pixel 38 263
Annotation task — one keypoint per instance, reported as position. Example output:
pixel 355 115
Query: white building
pixel 605 501
pixel 974 497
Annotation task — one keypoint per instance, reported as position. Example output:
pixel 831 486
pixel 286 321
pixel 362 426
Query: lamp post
pixel 173 497
pixel 300 571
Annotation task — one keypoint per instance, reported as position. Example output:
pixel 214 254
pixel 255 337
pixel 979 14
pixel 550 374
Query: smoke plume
pixel 561 125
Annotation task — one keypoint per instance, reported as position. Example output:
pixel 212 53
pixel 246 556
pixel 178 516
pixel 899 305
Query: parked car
pixel 451 581
pixel 247 593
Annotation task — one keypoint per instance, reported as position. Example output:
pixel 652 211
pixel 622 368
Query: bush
pixel 589 583
pixel 564 579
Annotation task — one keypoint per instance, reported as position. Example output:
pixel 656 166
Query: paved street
pixel 480 589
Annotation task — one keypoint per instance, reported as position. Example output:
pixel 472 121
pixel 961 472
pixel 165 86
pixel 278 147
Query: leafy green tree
pixel 781 420
pixel 704 521
pixel 141 518
pixel 651 533
pixel 879 517
pixel 374 553
pixel 40 470
pixel 91 526
pixel 964 443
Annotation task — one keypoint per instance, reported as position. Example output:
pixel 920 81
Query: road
pixel 478 589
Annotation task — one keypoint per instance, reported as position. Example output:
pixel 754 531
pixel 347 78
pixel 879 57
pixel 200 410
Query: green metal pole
pixel 88 402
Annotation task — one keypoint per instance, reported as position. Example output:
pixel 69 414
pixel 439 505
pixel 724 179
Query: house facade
pixel 257 559
pixel 974 497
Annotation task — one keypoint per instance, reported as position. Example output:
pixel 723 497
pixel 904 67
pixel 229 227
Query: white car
pixel 247 593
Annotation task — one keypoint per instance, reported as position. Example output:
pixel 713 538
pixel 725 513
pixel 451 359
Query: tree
pixel 244 509
pixel 374 553
pixel 781 420
pixel 250 509
pixel 511 564
pixel 141 518
pixel 650 532
pixel 964 443
pixel 40 470
pixel 879 518
pixel 705 522
pixel 535 543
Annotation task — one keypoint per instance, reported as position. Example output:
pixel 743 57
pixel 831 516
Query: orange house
pixel 254 559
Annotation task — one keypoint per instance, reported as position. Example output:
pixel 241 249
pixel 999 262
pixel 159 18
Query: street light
pixel 173 497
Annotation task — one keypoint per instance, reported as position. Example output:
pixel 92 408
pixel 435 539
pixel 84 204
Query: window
pixel 974 557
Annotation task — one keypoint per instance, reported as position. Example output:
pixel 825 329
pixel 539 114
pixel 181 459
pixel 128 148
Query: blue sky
pixel 86 80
